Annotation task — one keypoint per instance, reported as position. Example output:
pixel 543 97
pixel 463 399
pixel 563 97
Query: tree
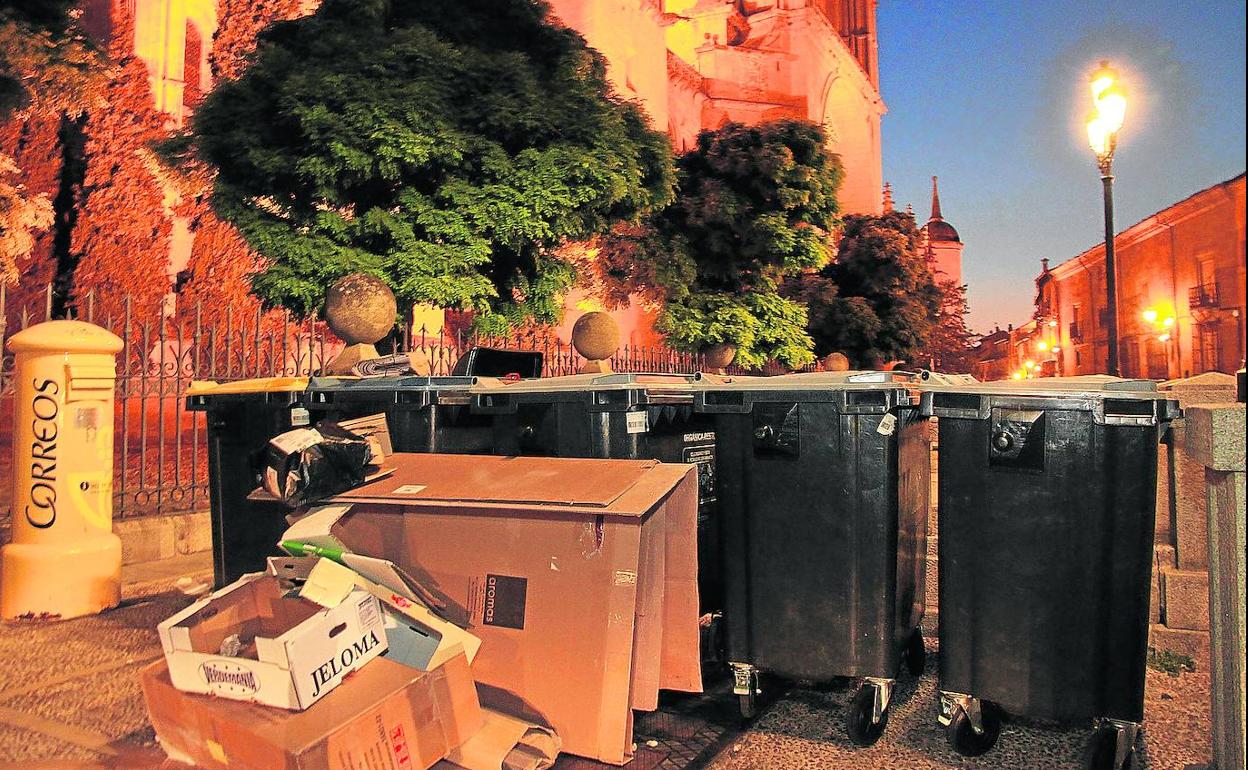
pixel 49 73
pixel 449 154
pixel 46 60
pixel 949 347
pixel 877 302
pixel 755 205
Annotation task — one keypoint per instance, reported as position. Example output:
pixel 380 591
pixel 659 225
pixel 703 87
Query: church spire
pixel 888 197
pixel 935 201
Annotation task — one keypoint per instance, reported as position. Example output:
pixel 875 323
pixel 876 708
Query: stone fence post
pixel 1215 439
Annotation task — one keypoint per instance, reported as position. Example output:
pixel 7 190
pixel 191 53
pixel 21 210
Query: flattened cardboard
pixel 385 712
pixel 505 743
pixel 301 650
pixel 491 479
pixel 552 590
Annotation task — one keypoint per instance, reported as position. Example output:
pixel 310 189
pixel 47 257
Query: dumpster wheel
pixel 960 732
pixel 1103 752
pixel 861 723
pixel 916 654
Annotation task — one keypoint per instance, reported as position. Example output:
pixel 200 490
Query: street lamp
pixel 1110 102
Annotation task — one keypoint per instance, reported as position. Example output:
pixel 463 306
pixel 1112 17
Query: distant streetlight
pixel 1110 102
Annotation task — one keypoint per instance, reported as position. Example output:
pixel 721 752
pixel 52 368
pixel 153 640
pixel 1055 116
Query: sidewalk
pixel 70 698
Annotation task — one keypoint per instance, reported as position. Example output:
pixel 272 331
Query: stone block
pixel 145 538
pixel 193 532
pixel 1186 598
pixel 1215 436
pixel 1193 644
pixel 1229 637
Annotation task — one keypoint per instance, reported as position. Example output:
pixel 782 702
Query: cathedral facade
pixel 697 64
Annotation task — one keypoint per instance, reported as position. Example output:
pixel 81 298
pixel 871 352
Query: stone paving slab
pixel 72 700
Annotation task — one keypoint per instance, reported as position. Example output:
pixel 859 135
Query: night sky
pixel 992 98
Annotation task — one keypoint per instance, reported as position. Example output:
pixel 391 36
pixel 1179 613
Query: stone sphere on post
pixel 835 362
pixel 716 358
pixel 596 336
pixel 360 309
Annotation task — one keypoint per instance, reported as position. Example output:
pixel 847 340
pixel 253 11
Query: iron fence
pixel 161 456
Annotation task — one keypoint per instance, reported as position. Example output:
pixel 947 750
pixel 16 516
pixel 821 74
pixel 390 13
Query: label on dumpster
pixel 299 417
pixel 702 456
pixel 637 422
pixel 887 425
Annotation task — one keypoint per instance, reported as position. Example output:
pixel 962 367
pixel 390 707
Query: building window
pixel 1078 359
pixel 1208 348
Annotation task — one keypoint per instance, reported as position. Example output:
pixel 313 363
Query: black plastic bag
pixel 305 465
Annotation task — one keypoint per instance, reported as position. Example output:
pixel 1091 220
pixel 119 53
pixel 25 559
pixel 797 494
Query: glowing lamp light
pixel 1018 375
pixel 1098 135
pixel 1052 323
pixel 1165 337
pixel 1042 346
pixel 1057 350
pixel 1150 315
pixel 1168 322
pixel 1029 364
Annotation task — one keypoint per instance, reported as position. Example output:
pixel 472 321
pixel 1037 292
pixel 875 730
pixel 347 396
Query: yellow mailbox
pixel 64 560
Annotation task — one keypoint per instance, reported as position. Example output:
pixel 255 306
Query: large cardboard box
pixel 293 651
pixel 579 577
pixel 386 715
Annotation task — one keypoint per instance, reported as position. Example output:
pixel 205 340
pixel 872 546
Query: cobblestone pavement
pixel 70 698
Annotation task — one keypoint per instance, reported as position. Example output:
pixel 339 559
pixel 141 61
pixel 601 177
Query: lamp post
pixel 1110 102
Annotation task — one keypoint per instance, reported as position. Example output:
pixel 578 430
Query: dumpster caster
pixel 916 654
pixel 868 711
pixel 971 725
pixel 745 687
pixel 1112 747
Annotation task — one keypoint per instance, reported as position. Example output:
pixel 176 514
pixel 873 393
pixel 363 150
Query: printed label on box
pixel 226 677
pixel 637 422
pixel 504 601
pixel 299 417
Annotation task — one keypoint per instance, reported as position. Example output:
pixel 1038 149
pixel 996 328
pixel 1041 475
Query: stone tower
pixel 940 239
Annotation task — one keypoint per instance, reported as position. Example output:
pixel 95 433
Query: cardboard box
pixel 294 651
pixel 415 636
pixel 579 577
pixel 385 715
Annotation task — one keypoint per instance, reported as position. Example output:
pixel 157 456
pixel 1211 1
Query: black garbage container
pixel 823 501
pixel 424 414
pixel 1047 493
pixel 242 417
pixel 613 416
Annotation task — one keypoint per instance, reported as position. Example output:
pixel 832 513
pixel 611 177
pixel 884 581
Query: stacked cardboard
pixel 474 612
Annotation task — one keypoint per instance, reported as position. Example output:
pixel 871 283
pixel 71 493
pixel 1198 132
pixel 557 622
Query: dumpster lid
pixel 623 487
pixel 405 382
pixel 854 380
pixel 1083 385
pixel 585 382
pixel 259 385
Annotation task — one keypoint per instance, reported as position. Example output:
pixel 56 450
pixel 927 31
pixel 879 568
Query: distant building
pixel 941 241
pixel 1180 276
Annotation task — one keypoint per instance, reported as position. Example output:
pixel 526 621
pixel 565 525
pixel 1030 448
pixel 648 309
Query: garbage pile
pixel 426 610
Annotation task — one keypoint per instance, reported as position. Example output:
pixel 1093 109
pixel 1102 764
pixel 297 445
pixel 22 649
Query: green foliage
pixel 448 153
pixel 1168 662
pixel 763 325
pixel 878 302
pixel 754 207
